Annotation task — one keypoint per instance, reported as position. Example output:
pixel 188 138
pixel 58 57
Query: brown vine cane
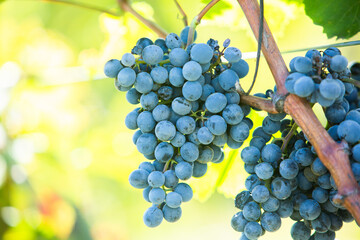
pixel 330 153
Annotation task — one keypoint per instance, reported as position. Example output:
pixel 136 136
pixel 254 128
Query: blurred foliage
pixel 340 19
pixel 65 152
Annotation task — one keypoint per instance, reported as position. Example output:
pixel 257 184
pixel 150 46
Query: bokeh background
pixel 65 152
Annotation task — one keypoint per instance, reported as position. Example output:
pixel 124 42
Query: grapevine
pixel 192 106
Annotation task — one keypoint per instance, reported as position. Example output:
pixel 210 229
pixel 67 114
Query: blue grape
pixel 159 166
pixel 163 152
pixel 112 68
pixel 143 82
pixel 162 44
pixel 238 222
pixel 156 179
pixel 152 54
pixel 233 114
pixel 349 130
pixel 310 209
pixel 216 102
pixel 252 230
pixel 227 79
pixel 184 170
pixel 181 106
pixel 205 136
pixel 231 143
pixel 192 91
pixel 178 57
pixel 159 75
pixel 172 214
pixel 185 125
pixel 206 155
pixel 165 131
pixel 149 100
pixel 216 125
pixel 252 181
pixel 161 112
pixel 171 180
pixel 173 199
pixel 232 98
pixel 157 195
pixel 185 33
pixel 356 152
pixel 271 205
pixel 291 80
pixel 320 195
pixel 353 115
pixel 185 191
pixel 176 77
pixel 260 194
pixel 128 60
pixel 126 77
pixel 199 169
pixel 336 222
pixel 241 68
pixel 178 140
pixel 189 151
pixel 165 92
pixel 304 86
pixel 215 83
pixel 232 54
pixel 269 126
pixel 318 168
pixel 299 231
pixel 147 167
pixel 220 140
pixel 271 222
pixel 330 89
pixel 153 217
pixel 264 170
pixel 192 137
pixel 192 71
pixel 304 157
pixel 133 96
pixel 259 132
pixel 271 153
pixel 302 65
pixel 280 188
pixel 131 119
pixel 303 183
pixel 257 142
pixel 146 122
pixel 146 192
pixel 138 178
pixel 285 209
pixel 136 135
pixel 207 90
pixel 202 53
pixel 288 169
pixel 338 63
pixel 239 132
pixel 173 41
pixel 251 211
pixel 146 143
pixel 322 223
pixel 335 113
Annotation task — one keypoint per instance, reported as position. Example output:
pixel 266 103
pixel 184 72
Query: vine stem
pixel 84 6
pixel 330 153
pixel 182 12
pixel 197 19
pixel 125 6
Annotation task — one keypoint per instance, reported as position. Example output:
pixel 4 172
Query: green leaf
pixel 217 9
pixel 340 19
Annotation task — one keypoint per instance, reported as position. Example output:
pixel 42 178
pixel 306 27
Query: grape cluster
pixel 189 110
pixel 287 179
pixel 321 78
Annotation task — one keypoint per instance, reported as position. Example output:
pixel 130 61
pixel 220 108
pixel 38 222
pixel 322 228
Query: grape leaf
pixel 339 19
pixel 217 9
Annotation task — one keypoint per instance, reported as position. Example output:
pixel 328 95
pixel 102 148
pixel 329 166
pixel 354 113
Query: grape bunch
pixel 321 78
pixel 189 110
pixel 287 179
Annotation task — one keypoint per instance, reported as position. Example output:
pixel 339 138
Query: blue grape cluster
pixel 319 77
pixel 189 110
pixel 287 179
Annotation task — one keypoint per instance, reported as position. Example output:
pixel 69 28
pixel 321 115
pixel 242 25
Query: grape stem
pixel 288 137
pixel 182 12
pixel 197 19
pixel 125 6
pixel 353 81
pixel 330 153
